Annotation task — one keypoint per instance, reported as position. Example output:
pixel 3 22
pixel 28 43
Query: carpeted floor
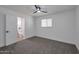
pixel 38 45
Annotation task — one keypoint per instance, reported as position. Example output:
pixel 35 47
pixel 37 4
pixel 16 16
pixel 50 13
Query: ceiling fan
pixel 38 9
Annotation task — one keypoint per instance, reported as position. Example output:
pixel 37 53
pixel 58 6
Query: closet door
pixel 11 29
pixel 2 31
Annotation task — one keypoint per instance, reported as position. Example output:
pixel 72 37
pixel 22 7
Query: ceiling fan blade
pixel 36 6
pixel 35 12
pixel 44 11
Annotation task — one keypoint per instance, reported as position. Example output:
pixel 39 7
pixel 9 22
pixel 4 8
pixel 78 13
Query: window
pixel 46 23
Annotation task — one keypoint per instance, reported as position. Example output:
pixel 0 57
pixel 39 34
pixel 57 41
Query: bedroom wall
pixel 29 27
pixel 77 27
pixel 63 28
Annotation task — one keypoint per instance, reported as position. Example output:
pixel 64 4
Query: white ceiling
pixel 28 9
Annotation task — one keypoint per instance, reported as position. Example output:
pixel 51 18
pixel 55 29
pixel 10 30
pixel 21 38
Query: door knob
pixel 7 31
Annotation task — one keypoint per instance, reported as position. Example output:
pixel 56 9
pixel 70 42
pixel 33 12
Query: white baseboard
pixel 29 36
pixel 57 39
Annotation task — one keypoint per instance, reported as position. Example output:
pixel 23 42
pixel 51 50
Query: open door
pixel 11 29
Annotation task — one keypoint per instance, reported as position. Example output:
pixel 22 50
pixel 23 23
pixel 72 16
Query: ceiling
pixel 28 9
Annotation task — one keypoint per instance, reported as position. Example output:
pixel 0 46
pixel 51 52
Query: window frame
pixel 47 22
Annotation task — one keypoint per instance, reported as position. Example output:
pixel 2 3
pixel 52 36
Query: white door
pixel 2 41
pixel 11 29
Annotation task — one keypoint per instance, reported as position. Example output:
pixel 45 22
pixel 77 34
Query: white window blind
pixel 46 23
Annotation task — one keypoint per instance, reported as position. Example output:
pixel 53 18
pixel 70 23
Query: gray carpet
pixel 38 45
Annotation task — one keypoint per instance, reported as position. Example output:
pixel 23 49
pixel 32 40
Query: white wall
pixel 29 27
pixel 77 26
pixel 63 27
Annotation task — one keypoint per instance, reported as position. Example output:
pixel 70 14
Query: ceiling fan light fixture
pixel 38 11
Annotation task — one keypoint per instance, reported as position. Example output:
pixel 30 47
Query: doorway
pixel 20 28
